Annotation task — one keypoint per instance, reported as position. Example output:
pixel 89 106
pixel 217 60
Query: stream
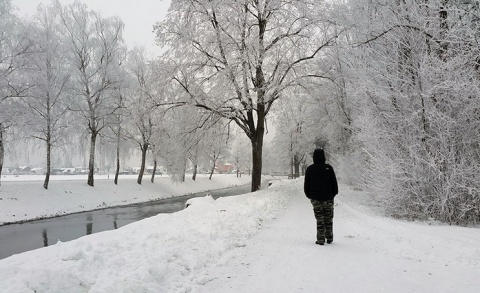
pixel 18 238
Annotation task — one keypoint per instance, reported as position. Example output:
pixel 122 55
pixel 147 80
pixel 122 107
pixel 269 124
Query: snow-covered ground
pixel 257 242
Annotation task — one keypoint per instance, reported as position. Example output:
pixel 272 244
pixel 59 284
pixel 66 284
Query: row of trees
pixel 68 76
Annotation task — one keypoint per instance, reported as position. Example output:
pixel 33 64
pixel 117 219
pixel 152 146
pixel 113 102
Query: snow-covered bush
pixel 418 107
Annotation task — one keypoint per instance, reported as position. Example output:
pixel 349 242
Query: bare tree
pixel 188 134
pixel 236 57
pixel 117 128
pixel 203 132
pixel 154 158
pixel 96 54
pixel 141 104
pixel 301 119
pixel 13 48
pixel 48 79
pixel 241 152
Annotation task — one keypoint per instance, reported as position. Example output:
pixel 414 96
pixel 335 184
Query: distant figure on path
pixel 321 187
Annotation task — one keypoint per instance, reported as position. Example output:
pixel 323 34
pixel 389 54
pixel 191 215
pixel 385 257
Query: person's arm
pixel 306 183
pixel 334 181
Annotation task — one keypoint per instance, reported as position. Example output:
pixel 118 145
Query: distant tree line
pixel 69 78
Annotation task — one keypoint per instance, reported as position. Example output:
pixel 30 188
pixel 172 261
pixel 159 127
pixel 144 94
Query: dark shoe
pixel 329 241
pixel 319 243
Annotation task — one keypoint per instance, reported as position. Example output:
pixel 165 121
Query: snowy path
pixel 369 254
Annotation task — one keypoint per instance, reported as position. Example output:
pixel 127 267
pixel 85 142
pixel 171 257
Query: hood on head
pixel 319 156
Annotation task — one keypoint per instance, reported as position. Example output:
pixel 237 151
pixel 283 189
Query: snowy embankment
pixel 23 197
pixel 149 255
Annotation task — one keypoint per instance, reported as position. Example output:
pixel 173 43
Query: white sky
pixel 138 16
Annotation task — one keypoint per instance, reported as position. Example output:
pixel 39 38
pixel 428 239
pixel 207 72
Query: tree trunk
pixel 48 134
pixel 213 167
pixel 154 169
pixel 2 152
pixel 117 169
pixel 47 175
pixel 194 176
pixel 290 175
pixel 195 163
pixel 237 165
pixel 184 171
pixel 260 85
pixel 257 145
pixel 444 29
pixel 296 164
pixel 91 161
pixel 144 149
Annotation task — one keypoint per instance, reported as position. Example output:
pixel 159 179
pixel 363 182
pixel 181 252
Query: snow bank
pixel 159 254
pixel 204 200
pixel 26 200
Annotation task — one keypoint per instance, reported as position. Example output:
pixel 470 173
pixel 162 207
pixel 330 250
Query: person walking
pixel 320 187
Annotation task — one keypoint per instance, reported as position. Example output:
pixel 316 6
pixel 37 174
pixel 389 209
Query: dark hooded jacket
pixel 320 181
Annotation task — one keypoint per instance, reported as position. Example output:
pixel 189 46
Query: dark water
pixel 18 238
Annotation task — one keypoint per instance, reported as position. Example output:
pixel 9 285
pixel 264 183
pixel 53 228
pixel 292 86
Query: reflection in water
pixel 88 231
pixel 45 238
pixel 89 224
pixel 115 226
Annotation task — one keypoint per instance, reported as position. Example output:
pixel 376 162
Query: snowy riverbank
pixel 23 197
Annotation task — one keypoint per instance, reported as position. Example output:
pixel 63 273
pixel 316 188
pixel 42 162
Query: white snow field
pixel 257 242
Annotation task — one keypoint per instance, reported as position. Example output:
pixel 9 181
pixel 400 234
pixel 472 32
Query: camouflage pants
pixel 323 211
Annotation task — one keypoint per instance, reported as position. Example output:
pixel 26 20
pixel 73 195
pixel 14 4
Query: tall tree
pixel 49 77
pixel 141 104
pixel 117 128
pixel 236 57
pixel 96 54
pixel 13 48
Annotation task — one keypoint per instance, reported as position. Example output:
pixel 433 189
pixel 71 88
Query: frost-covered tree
pixel 96 52
pixel 173 142
pixel 242 155
pixel 188 138
pixel 418 104
pixel 299 123
pixel 13 49
pixel 204 136
pixel 198 135
pixel 118 128
pixel 237 57
pixel 48 79
pixel 141 104
pixel 216 145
